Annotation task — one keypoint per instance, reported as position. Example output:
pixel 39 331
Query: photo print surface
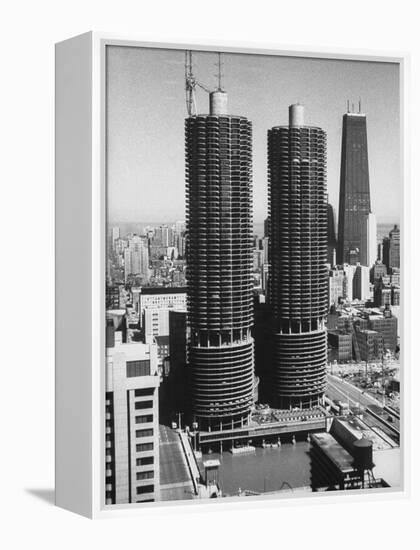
pixel 252 275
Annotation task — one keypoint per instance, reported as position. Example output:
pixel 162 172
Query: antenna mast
pixel 190 85
pixel 219 72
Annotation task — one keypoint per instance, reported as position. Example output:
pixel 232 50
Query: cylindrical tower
pixel 219 266
pixel 298 252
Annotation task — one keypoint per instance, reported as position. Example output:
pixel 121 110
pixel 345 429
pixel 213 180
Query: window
pixel 145 461
pixel 141 447
pixel 138 368
pixel 144 475
pixel 144 433
pixel 144 391
pixel 144 419
pixel 145 489
pixel 144 405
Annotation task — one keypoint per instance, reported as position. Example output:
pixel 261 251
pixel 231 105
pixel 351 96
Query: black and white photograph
pixel 253 275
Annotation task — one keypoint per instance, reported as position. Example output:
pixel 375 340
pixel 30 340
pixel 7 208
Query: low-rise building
pixel 342 342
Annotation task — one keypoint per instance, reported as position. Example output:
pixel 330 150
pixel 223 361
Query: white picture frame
pixel 80 271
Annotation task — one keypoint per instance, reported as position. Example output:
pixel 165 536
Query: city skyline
pixel 221 342
pixel 146 113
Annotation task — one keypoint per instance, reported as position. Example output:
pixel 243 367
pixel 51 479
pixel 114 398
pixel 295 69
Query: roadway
pixel 346 392
pixel 175 479
pixel 355 397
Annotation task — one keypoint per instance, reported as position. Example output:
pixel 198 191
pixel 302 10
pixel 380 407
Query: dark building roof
pixel 163 290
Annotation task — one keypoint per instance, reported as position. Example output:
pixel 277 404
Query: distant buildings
pixel 337 284
pixel 372 333
pixel 298 256
pixel 136 258
pixel 378 271
pixel 394 247
pixel 387 326
pixel 165 298
pixel 343 342
pixel 356 224
pixel 370 344
pixel 369 235
pixel 361 283
pixel 115 234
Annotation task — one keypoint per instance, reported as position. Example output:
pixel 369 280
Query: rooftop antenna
pixel 190 85
pixel 348 105
pixel 219 72
pixel 360 105
pixel 352 107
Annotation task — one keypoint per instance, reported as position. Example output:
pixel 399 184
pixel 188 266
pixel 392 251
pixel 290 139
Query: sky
pixel 146 110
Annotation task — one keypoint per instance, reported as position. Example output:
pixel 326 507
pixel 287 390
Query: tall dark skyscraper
pixel 354 207
pixel 298 252
pixel 332 241
pixel 219 265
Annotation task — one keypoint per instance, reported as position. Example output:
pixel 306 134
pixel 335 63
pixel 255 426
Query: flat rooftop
pixel 334 451
pixel 147 290
pixel 359 429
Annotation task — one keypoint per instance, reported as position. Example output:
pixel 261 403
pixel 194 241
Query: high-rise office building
pixel 219 265
pixel 354 205
pixel 394 247
pixel 298 257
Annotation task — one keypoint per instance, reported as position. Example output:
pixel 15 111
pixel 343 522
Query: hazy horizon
pixel 146 114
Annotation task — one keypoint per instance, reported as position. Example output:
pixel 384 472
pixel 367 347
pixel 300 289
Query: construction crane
pixel 191 83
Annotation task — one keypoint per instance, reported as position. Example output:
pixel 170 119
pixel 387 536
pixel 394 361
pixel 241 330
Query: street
pixel 346 392
pixel 175 480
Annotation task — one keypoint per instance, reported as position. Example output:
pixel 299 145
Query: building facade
pixel 343 342
pixel 361 283
pixel 387 325
pixel 136 258
pixel 332 240
pixel 219 266
pixel 132 421
pixel 354 203
pixel 337 284
pixel 370 344
pixel 298 256
pixel 158 298
pixel 394 247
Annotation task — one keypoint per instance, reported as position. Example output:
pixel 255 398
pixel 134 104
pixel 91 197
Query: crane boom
pixel 191 84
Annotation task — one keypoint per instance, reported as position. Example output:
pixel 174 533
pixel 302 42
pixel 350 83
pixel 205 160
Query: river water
pixel 265 470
